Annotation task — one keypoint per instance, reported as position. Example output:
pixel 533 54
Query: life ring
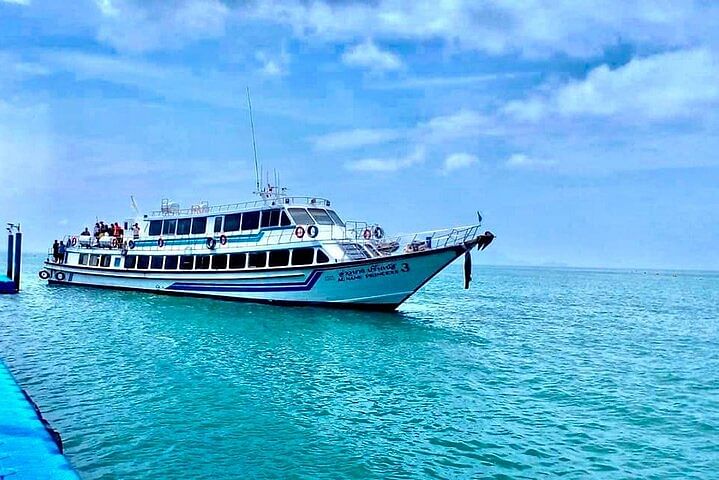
pixel 300 231
pixel 131 244
pixel 60 276
pixel 160 242
pixel 378 232
pixel 223 239
pixel 313 231
pixel 113 242
pixel 367 234
pixel 73 241
pixel 44 274
pixel 211 243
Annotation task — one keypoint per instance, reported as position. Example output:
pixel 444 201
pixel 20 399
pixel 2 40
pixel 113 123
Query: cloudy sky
pixel 586 132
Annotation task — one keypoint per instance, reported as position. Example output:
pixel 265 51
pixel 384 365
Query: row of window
pixel 233 261
pixel 235 222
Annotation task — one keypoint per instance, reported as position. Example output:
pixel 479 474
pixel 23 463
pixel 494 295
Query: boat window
pixel 303 256
pixel 232 222
pixel 83 259
pixel 94 260
pixel 183 226
pixel 155 227
pixel 250 220
pixel 143 262
pixel 156 262
pixel 301 216
pixel 219 262
pixel 335 218
pixel 322 256
pixel 271 218
pixel 130 261
pixel 202 262
pixel 199 225
pixel 279 258
pixel 238 260
pixel 117 262
pixel 284 219
pixel 171 262
pixel 186 262
pixel 168 227
pixel 321 216
pixel 218 224
pixel 257 260
pixel 105 261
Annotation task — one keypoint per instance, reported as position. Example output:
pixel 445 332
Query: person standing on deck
pixel 61 252
pixel 55 251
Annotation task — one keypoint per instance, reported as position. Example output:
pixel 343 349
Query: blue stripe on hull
pixel 303 286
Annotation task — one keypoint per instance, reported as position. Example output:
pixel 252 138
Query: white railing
pixel 241 206
pixel 386 246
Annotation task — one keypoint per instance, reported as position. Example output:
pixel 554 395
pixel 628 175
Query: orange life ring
pixel 367 234
pixel 160 242
pixel 300 231
pixel 73 241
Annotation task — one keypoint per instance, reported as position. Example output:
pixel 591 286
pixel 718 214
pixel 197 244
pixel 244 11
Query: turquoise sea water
pixel 533 373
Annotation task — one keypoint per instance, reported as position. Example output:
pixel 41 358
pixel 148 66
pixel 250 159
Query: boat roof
pixel 172 209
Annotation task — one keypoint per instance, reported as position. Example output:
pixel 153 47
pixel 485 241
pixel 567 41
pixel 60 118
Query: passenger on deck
pixel 96 230
pixel 85 233
pixel 136 231
pixel 55 251
pixel 115 230
pixel 61 252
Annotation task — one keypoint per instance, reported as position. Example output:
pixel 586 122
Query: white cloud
pixel 421 83
pixel 273 65
pixel 368 55
pixel 458 161
pixel 437 130
pixel 525 162
pixel 133 26
pixel 24 3
pixel 387 165
pixel 465 123
pixel 357 138
pixel 532 28
pixel 655 88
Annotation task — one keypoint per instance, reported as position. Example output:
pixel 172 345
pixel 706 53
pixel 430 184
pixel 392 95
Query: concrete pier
pixel 27 447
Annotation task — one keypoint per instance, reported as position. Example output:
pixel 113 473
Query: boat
pixel 282 249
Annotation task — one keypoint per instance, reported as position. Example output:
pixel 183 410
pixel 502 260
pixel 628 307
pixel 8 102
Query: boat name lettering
pixel 377 270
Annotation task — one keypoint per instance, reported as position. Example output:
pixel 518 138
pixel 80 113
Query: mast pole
pixel 254 143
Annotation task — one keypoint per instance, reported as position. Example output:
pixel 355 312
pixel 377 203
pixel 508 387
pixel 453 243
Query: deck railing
pixel 386 246
pixel 169 211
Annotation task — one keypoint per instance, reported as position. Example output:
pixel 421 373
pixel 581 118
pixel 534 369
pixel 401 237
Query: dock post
pixel 18 253
pixel 9 255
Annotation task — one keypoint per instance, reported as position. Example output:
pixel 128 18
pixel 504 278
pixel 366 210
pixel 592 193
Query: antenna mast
pixel 254 143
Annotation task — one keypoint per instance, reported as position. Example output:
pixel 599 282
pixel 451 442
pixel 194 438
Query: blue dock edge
pixel 27 448
pixel 6 285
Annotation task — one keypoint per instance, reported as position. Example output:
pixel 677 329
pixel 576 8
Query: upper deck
pixel 170 209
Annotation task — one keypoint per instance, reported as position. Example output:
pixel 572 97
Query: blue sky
pixel 585 131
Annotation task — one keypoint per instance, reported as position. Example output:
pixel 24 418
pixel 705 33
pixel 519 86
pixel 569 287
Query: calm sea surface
pixel 532 373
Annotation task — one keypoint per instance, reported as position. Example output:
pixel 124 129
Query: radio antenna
pixel 254 143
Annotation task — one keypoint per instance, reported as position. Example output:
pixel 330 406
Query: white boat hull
pixel 378 283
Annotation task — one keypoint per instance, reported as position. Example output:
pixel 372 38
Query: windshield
pixel 336 218
pixel 300 216
pixel 321 216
